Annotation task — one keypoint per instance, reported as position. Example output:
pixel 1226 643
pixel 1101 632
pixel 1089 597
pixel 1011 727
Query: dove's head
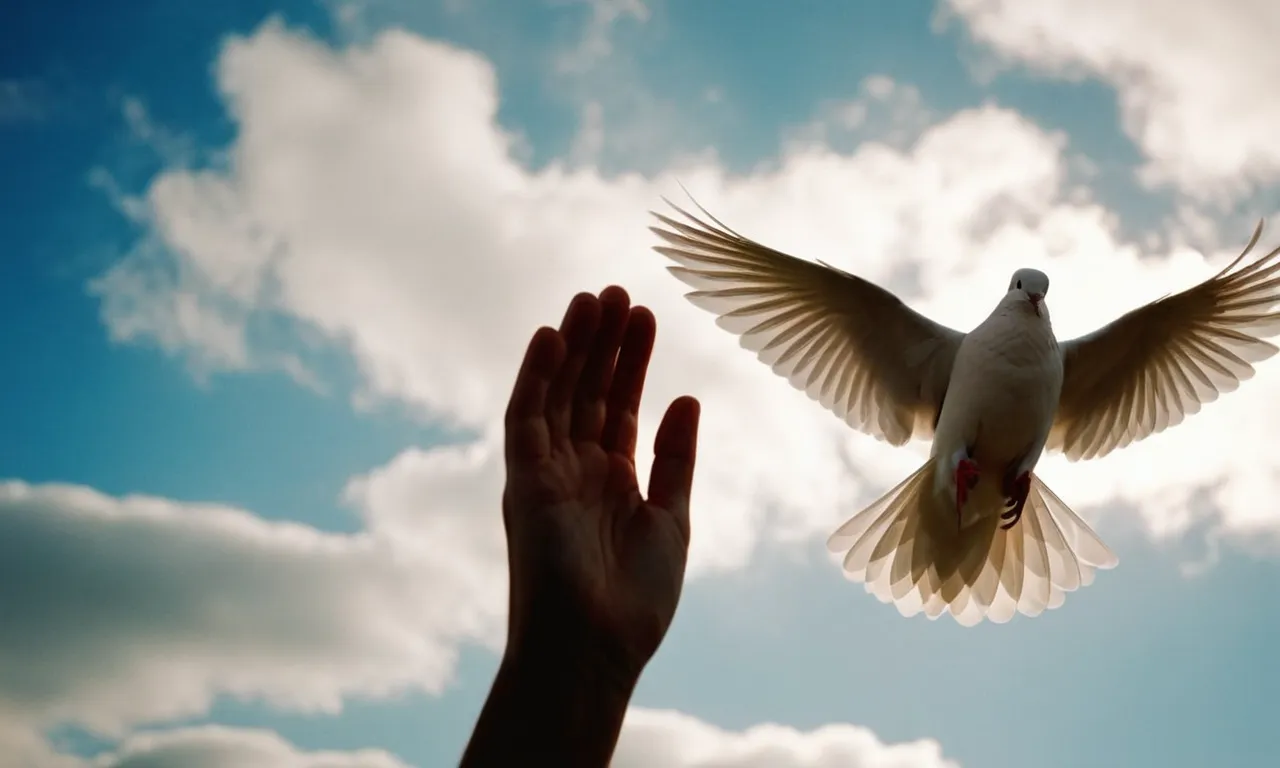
pixel 1029 285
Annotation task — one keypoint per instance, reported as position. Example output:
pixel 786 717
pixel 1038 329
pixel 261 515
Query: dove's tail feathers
pixel 907 549
pixel 1078 538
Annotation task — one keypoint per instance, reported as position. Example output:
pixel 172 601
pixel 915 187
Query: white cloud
pixel 219 747
pixel 133 610
pixel 137 609
pixel 1195 80
pixel 676 740
pixel 884 111
pixel 390 215
pixel 588 143
pixel 443 507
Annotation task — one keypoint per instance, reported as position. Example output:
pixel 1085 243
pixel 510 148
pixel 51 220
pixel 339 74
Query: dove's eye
pixel 1019 286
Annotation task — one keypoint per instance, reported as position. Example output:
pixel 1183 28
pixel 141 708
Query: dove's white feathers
pixel 906 549
pixel 1004 388
pixel 892 373
pixel 1152 367
pixel 911 548
pixel 848 343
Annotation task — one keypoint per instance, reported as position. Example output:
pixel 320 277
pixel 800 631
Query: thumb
pixel 674 452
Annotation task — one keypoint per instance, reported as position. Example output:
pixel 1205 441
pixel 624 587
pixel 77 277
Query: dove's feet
pixel 966 479
pixel 1016 492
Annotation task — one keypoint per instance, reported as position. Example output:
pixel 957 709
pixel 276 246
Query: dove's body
pixel 910 549
pixel 993 400
pixel 1000 399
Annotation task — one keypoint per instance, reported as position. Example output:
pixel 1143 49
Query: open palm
pixel 588 552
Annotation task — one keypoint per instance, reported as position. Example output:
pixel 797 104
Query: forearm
pixel 551 704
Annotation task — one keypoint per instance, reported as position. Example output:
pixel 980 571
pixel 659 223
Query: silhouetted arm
pixel 595 567
pixel 553 702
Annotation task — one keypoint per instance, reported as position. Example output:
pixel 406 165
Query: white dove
pixel 948 538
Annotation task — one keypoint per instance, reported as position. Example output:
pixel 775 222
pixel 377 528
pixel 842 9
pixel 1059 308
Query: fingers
pixel 578 328
pixel 588 417
pixel 623 409
pixel 526 426
pixel 674 452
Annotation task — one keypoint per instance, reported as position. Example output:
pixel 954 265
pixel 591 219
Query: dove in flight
pixel 974 532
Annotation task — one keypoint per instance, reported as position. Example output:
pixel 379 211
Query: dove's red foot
pixel 966 479
pixel 1016 493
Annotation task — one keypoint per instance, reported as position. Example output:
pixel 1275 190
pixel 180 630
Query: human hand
pixel 594 565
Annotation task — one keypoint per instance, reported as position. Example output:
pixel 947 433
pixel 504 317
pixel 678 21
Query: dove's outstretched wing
pixel 1158 364
pixel 846 342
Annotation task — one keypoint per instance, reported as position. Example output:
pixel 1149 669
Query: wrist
pixel 556 701
pixel 570 659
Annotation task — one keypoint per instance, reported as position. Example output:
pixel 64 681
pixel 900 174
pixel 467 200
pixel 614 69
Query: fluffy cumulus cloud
pixel 1195 80
pixel 137 609
pixel 673 739
pixel 218 747
pixel 372 199
pixel 128 610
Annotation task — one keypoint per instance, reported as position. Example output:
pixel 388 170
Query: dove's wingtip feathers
pixel 815 326
pixel 1257 264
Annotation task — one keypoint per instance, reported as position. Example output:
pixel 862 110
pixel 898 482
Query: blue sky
pixel 403 241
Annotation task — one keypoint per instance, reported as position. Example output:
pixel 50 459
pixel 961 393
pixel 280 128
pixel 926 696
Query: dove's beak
pixel 1036 298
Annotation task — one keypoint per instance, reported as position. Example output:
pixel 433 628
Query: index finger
pixel 527 435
